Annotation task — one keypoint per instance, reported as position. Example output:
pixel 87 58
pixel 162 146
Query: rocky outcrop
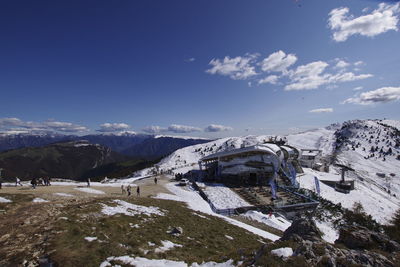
pixel 356 237
pixel 356 246
pixel 302 229
pixel 324 254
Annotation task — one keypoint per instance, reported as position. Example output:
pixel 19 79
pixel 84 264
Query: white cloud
pixel 348 77
pixel 308 76
pixel 304 77
pixel 217 128
pixel 358 88
pixel 278 62
pixel 113 127
pixel 12 122
pixel 272 79
pixel 321 110
pixel 341 64
pixel 380 20
pixel 175 128
pixel 358 63
pixel 312 76
pixel 237 68
pixel 154 129
pixel 65 127
pixel 18 125
pixel 190 59
pixel 381 95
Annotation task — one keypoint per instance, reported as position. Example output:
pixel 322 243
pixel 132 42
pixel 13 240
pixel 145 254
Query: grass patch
pixel 203 239
pixel 17 199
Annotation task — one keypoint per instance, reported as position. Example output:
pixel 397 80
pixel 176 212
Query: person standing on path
pixel 88 182
pixel 33 183
pixel 138 191
pixel 155 180
pixel 128 189
pixel 1 178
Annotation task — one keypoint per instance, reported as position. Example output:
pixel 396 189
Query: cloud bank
pixel 381 95
pixel 237 68
pixel 113 127
pixel 217 128
pixel 280 69
pixel 19 126
pixel 321 110
pixel 380 20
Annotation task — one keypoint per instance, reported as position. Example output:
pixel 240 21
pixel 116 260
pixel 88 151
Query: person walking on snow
pixel 88 182
pixel 17 182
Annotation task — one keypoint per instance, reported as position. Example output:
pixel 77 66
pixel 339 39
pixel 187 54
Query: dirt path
pixel 58 191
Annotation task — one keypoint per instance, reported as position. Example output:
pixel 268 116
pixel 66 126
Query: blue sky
pixel 201 68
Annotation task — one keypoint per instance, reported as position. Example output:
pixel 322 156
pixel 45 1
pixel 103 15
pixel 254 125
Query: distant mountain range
pixel 133 145
pixel 63 160
pixel 78 157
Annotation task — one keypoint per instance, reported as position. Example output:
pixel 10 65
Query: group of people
pixel 37 181
pixel 128 190
pixel 179 176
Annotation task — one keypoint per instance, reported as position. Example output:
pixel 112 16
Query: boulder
pixel 175 231
pixel 306 229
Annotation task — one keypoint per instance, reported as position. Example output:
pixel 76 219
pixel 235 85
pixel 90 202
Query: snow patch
pixel 144 262
pixel 63 194
pixel 277 222
pixel 330 234
pixel 166 245
pixel 197 203
pixel 229 237
pixel 167 197
pixel 222 197
pixel 130 209
pixel 39 200
pixel 4 200
pixel 89 190
pixel 282 252
pixel 90 238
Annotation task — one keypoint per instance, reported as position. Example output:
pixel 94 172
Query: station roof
pixel 264 148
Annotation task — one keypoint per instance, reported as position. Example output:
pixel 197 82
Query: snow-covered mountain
pixel 347 143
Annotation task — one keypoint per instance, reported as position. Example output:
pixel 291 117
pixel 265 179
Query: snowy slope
pixel 350 144
pixel 393 123
pixel 321 138
pixel 187 158
pixel 376 202
pixel 356 139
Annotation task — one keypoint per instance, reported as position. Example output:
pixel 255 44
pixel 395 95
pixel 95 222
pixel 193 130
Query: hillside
pixel 61 160
pixel 335 141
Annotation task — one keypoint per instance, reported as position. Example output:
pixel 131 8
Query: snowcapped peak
pixel 181 137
